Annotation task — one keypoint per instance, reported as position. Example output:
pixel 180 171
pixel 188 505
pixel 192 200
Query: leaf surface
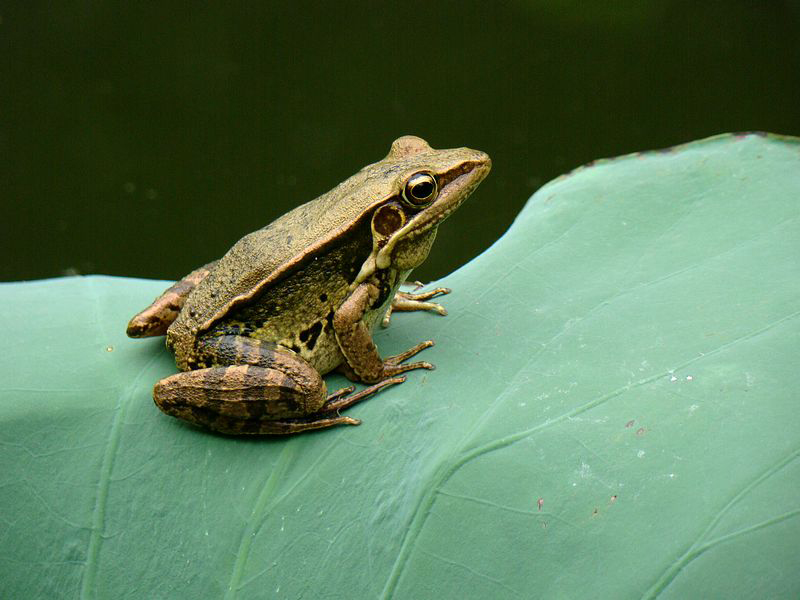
pixel 614 414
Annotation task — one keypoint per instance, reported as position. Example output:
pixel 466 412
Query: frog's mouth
pixel 456 186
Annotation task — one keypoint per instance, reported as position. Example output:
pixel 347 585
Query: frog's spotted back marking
pixel 309 336
pixel 290 316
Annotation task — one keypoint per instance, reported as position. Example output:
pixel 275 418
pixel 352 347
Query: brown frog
pixel 254 331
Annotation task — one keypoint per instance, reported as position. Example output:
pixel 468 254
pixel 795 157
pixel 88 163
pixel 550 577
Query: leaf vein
pixel 698 546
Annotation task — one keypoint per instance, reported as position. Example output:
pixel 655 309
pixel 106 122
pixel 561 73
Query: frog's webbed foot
pixel 399 358
pixel 156 318
pixel 299 425
pixel 345 398
pixel 362 360
pixel 393 366
pixel 408 301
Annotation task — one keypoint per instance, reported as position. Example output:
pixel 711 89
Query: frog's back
pixel 264 256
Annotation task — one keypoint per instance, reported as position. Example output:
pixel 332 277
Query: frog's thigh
pixel 228 350
pixel 240 399
pixel 248 388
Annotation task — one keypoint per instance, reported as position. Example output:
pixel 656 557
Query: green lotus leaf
pixel 614 415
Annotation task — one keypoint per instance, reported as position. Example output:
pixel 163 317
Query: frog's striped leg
pixel 408 301
pixel 156 318
pixel 254 387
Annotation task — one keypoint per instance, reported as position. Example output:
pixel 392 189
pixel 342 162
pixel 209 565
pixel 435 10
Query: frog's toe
pixel 399 358
pixel 394 364
pixel 344 398
pixel 395 369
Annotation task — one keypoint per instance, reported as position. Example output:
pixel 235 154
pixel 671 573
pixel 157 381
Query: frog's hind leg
pixel 239 400
pixel 255 387
pixel 156 318
pixel 344 398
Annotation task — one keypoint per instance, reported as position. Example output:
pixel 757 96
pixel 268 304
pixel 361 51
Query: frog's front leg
pixel 408 301
pixel 156 318
pixel 364 363
pixel 254 387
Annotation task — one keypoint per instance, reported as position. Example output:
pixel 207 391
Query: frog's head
pixel 422 187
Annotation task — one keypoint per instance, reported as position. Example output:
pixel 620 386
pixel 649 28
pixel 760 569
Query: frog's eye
pixel 421 189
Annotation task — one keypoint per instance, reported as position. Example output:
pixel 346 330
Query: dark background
pixel 143 139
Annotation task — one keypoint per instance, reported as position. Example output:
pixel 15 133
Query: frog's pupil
pixel 422 190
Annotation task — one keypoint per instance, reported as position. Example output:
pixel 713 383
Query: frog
pixel 254 332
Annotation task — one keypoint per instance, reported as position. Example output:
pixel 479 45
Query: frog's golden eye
pixel 421 188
